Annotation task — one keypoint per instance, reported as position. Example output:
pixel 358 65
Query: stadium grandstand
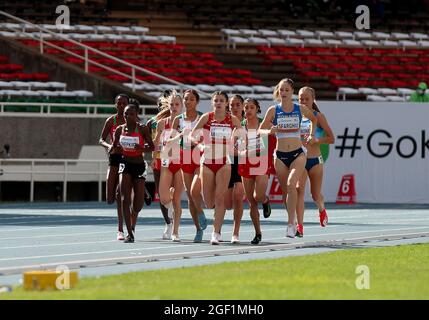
pixel 68 76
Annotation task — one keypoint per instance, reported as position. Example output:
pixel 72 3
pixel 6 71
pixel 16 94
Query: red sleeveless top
pixel 128 141
pixel 219 132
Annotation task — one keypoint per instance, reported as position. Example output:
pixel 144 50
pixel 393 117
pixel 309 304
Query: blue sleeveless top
pixel 288 120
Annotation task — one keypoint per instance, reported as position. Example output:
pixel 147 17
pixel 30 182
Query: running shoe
pixel 175 238
pixel 235 240
pixel 202 221
pixel 256 239
pixel 120 236
pixel 323 217
pixel 199 236
pixel 167 231
pixel 299 230
pixel 290 231
pixel 215 238
pixel 129 239
pixel 267 208
pixel 147 197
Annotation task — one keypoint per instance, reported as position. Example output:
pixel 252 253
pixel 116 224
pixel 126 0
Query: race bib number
pixel 165 162
pixel 129 143
pixel 291 123
pixel 220 133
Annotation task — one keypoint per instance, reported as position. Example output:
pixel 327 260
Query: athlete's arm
pixel 267 126
pixel 196 133
pixel 105 133
pixel 175 134
pixel 145 132
pixel 239 136
pixel 323 123
pixel 159 129
pixel 309 115
pixel 236 134
pixel 116 138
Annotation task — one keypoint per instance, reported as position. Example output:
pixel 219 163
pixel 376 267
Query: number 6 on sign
pixel 346 192
pixel 346 186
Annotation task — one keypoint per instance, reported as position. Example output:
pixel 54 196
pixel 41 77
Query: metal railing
pixel 47 109
pixel 65 170
pixel 88 61
pixel 57 170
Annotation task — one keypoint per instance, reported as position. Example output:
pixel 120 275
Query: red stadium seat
pixel 117 77
pixel 251 81
pixel 213 63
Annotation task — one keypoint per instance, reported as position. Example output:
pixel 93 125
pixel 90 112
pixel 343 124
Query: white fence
pixel 63 170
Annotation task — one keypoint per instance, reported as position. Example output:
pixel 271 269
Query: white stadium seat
pixel 324 34
pixel 395 98
pixel 237 40
pixel 313 42
pixel 367 91
pixel 276 41
pixel 371 43
pixel 389 43
pixel 259 41
pixel 360 35
pixel 140 29
pixel 286 33
pixel 262 89
pixel 405 91
pixel 103 29
pixel 242 88
pixel 305 34
pixel 345 91
pixel 419 36
pixel 332 42
pixel 248 32
pixel 206 87
pixel 400 36
pixel 386 91
pixel 382 35
pixel 375 98
pixel 352 43
pixel 293 41
pixel 344 34
pixel 267 33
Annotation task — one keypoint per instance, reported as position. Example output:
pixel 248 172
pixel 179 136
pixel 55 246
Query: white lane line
pixel 219 249
pixel 144 229
pixel 178 245
pixel 57 245
pixel 54 221
pixel 43 228
pixel 184 236
pixel 351 239
pixel 333 219
pixel 113 231
pixel 277 213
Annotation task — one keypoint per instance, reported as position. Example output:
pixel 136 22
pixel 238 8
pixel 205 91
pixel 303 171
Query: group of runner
pixel 218 157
